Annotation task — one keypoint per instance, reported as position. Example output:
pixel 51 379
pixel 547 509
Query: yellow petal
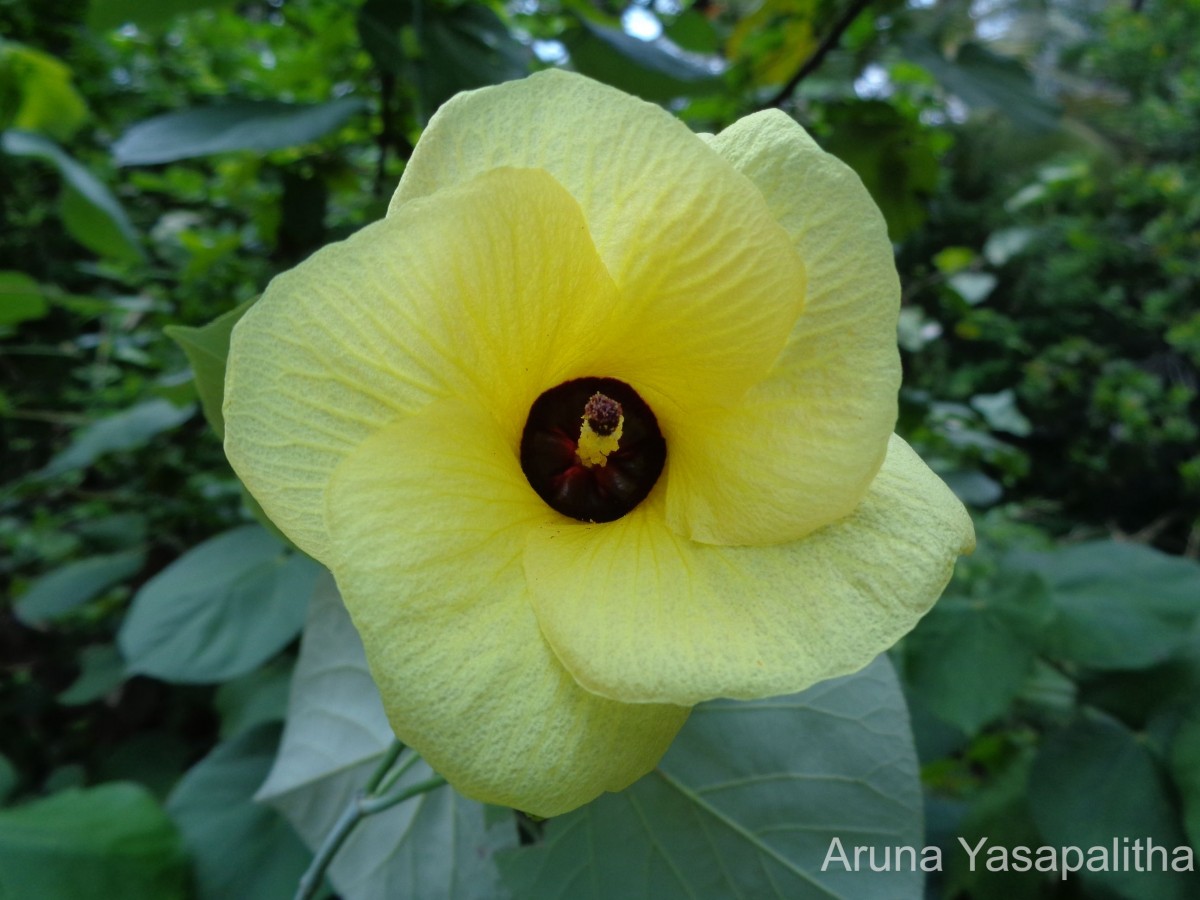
pixel 428 519
pixel 800 450
pixel 710 284
pixel 638 613
pixel 491 290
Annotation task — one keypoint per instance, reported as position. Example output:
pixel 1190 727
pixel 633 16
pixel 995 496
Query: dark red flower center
pixel 592 449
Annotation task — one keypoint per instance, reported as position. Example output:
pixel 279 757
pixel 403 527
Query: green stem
pixel 373 805
pixel 373 798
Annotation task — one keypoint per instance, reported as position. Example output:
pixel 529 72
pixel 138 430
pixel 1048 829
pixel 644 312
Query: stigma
pixel 600 433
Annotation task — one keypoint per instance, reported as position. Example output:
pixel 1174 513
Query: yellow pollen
pixel 594 448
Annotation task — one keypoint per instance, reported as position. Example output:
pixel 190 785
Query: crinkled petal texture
pixel 638 612
pixel 800 450
pixel 428 519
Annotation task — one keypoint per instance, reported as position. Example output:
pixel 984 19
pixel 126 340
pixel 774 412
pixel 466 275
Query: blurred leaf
pixel 102 671
pixel 1095 782
pixel 254 699
pixel 1185 766
pixel 1003 245
pixel 239 848
pixel 1000 813
pixel 969 657
pixel 747 803
pixel 774 40
pixel 90 213
pixel 974 287
pixel 59 592
pixel 435 845
pixel 953 259
pixel 1000 412
pixel 1121 606
pixel 36 93
pixel 691 30
pixel 892 156
pixel 258 125
pixel 220 610
pixel 654 70
pixel 97 844
pixel 105 14
pixel 985 80
pixel 207 349
pixel 125 430
pixel 461 47
pixel 21 299
pixel 973 487
pixel 8 778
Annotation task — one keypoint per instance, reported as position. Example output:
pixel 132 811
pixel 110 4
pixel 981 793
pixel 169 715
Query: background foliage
pixel 1035 160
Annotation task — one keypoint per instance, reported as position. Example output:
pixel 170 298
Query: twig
pixel 814 62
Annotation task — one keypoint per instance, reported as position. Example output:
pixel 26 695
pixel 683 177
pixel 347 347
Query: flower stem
pixel 372 798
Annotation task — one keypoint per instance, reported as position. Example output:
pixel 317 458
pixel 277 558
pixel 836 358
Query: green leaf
pixel 90 213
pixel 102 671
pixel 972 487
pixel 691 30
pixel 1094 782
pixel 21 299
pixel 985 80
pixel 435 845
pixel 1000 813
pixel 8 777
pixel 1185 766
pixel 1121 606
pixel 106 14
pixel 892 156
pixel 207 349
pixel 258 125
pixel 747 803
pixel 254 699
pixel 654 70
pixel 1003 245
pixel 1000 412
pixel 240 848
pixel 44 99
pixel 97 844
pixel 458 47
pixel 126 430
pixel 973 287
pixel 220 610
pixel 969 657
pixel 61 591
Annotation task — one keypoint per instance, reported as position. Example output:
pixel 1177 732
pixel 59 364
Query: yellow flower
pixel 569 288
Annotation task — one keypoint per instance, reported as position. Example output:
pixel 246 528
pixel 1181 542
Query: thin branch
pixel 853 11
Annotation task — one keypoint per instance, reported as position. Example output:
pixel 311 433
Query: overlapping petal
pixel 801 448
pixel 428 519
pixel 455 296
pixel 710 284
pixel 635 611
